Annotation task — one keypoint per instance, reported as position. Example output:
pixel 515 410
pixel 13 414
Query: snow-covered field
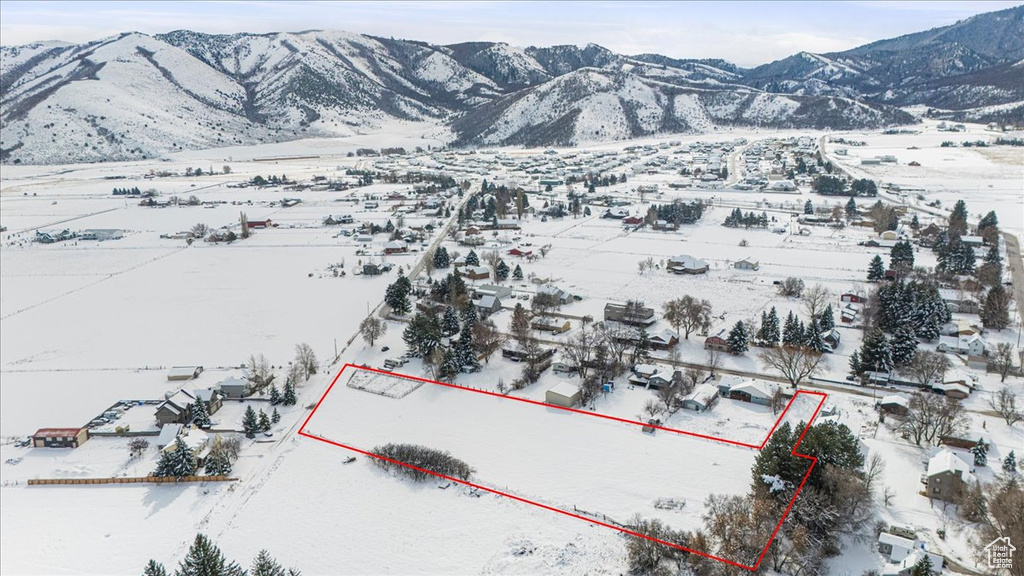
pixel 85 324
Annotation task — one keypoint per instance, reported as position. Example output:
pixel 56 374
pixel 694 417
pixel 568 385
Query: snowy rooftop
pixel 564 388
pixel 947 461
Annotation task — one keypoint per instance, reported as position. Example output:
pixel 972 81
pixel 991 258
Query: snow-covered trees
pixel 958 219
pixel 995 311
pixel 738 339
pixel 396 296
pixel 813 338
pixel 200 414
pixel 1010 463
pixel 305 358
pixel 876 269
pixel 901 257
pixel 875 352
pixel 486 338
pixel 136 447
pixel 222 454
pixel 259 372
pixel 501 271
pixel 177 463
pixel 814 299
pixel 371 328
pixel 154 568
pixel 465 352
pixel 980 452
pixel 903 346
pixel 250 422
pixel 791 287
pixel 851 208
pixel 275 396
pixel 517 273
pixel 423 458
pixel 422 334
pixel 441 258
pixel 472 259
pixel 264 421
pixel 768 333
pixel 687 314
pixel 914 304
pixel 204 558
pixel 449 322
pixel 288 398
pixel 793 331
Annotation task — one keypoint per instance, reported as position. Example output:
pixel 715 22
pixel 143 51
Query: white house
pixel 972 345
pixel 702 398
pixel 754 391
pixel 563 296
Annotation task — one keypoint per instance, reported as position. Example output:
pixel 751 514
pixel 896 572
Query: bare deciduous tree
pixel 137 446
pixel 1004 403
pixel 815 299
pixel 615 339
pixel 651 408
pixel 1003 360
pixel 794 363
pixel 259 372
pixel 692 376
pixel 791 287
pixel 306 359
pixel 930 417
pixel 687 314
pixel 578 349
pixel 372 328
pixel 668 395
pixel 486 338
pixel 714 359
pixel 927 367
pixel 199 230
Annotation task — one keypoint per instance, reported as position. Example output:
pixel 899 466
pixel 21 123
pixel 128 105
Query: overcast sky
pixel 747 33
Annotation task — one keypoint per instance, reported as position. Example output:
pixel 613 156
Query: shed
pixel 563 394
pixel 894 404
pixel 747 264
pixel 184 372
pixel 60 437
pixel 702 398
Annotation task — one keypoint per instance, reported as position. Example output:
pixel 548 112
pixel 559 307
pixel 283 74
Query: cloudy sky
pixel 747 33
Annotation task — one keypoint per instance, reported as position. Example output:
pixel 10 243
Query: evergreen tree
pixel 441 258
pixel 517 274
pixel 855 363
pixel 914 222
pixel 980 452
pixel 876 270
pixel 154 568
pixel 995 311
pixel 762 335
pixel 901 257
pixel 450 366
pixel 449 322
pixel 738 338
pixel 903 345
pixel 771 333
pixel 205 559
pixel 289 399
pixel 813 337
pixel 1010 463
pixel 275 395
pixel 776 460
pixel 469 314
pixel 502 271
pixel 218 463
pixel 472 259
pixel 275 416
pixel 251 422
pixel 464 349
pixel 179 463
pixel 808 207
pixel 792 333
pixel 396 296
pixel 265 565
pixel 992 256
pixel 875 353
pixel 264 421
pixel 827 320
pixel 958 219
pixel 851 208
pixel 200 414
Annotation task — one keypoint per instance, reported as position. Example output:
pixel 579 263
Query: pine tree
pixel 851 208
pixel 275 416
pixel 449 322
pixel 200 414
pixel 441 258
pixel 179 463
pixel 958 219
pixel 901 257
pixel 464 349
pixel 808 207
pixel 154 568
pixel 275 395
pixel 876 270
pixel 517 274
pixel 738 338
pixel 205 559
pixel 772 332
pixel 923 567
pixel 792 333
pixel 472 259
pixel 289 399
pixel 915 223
pixel 813 337
pixel 502 271
pixel 903 345
pixel 995 311
pixel 396 296
pixel 992 256
pixel 265 565
pixel 1010 463
pixel 827 320
pixel 762 336
pixel 855 363
pixel 450 366
pixel 468 314
pixel 980 452
pixel 875 352
pixel 264 421
pixel 218 463
pixel 251 422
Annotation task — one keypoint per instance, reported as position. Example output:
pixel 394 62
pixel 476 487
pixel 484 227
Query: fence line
pixel 132 480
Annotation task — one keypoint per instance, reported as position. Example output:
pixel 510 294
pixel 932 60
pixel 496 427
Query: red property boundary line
pixel 757 447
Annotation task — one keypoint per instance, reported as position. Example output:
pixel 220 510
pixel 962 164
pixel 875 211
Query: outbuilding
pixel 702 398
pixel 563 394
pixel 184 372
pixel 60 437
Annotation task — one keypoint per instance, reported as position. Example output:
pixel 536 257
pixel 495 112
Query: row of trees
pixel 181 461
pixel 204 558
pixel 737 218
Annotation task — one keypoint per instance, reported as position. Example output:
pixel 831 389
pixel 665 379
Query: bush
pixel 792 287
pixel 427 459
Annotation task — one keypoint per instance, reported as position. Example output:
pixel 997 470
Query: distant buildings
pixel 685 264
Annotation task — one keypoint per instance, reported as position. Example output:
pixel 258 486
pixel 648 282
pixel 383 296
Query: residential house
pixel 832 338
pixel 894 404
pixel 616 213
pixel 664 378
pixel 904 553
pixel 556 292
pixel 959 301
pixel 184 372
pixel 747 264
pixel 685 264
pixel 947 476
pixel 213 399
pixel 952 389
pixel 702 398
pixel 176 409
pixel 631 315
pixel 972 345
pixel 493 290
pixel 717 343
pixel 475 272
pixel 60 437
pixel 563 394
pixel 521 252
pixel 663 340
pixel 260 223
pixel 754 391
pixel 633 220
pixel 232 387
pixel 102 234
pixel 396 247
pixel 487 304
pixel 852 298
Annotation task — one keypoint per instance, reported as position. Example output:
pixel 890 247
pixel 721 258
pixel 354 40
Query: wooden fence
pixel 132 480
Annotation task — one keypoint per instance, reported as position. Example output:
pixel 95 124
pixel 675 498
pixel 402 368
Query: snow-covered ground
pixel 85 324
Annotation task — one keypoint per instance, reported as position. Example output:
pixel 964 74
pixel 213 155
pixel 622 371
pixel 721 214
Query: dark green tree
pixel 204 558
pixel 738 338
pixel 876 270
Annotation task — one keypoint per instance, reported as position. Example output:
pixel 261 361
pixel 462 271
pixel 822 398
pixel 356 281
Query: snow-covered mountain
pixel 136 96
